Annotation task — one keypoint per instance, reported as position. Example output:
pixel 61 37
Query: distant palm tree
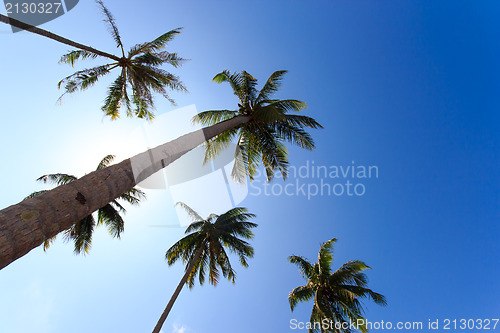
pixel 266 125
pixel 140 69
pixel 336 295
pixel 203 249
pixel 82 231
pixel 262 126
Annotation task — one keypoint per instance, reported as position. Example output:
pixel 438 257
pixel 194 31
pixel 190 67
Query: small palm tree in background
pixel 336 294
pixel 266 125
pixel 140 69
pixel 110 215
pixel 203 249
pixel 140 72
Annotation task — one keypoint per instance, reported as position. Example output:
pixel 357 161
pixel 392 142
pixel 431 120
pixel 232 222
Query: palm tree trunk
pixel 28 224
pixel 28 27
pixel 189 269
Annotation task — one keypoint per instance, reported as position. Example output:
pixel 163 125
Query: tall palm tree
pixel 269 123
pixel 203 249
pixel 140 69
pixel 26 225
pixel 110 215
pixel 336 294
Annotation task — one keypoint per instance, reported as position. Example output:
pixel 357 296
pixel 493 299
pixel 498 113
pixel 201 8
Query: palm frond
pixel 350 273
pixel 34 194
pixel 83 79
pixel 216 145
pixel 300 294
pixel 71 57
pixel 156 59
pixel 212 117
pixel 116 92
pixel 248 88
pixel 109 216
pixel 81 234
pixel 48 243
pixel 294 135
pixel 302 121
pixel 236 81
pixel 105 162
pixel 287 105
pixel 57 178
pixel 155 45
pixel 133 196
pixel 305 267
pixel 113 29
pixel 271 86
pixel 325 256
pixel 191 212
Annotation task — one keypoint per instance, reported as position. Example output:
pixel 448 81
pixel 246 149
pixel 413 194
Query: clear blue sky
pixel 409 87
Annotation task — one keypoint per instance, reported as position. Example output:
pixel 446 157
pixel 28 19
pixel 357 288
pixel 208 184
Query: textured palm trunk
pixel 27 224
pixel 28 27
pixel 177 291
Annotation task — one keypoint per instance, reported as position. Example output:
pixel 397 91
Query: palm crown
pixel 203 249
pixel 205 242
pixel 271 123
pixel 140 72
pixel 336 294
pixel 110 215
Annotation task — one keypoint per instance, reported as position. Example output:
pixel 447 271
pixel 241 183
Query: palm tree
pixel 268 123
pixel 139 70
pixel 26 225
pixel 336 295
pixel 81 232
pixel 203 249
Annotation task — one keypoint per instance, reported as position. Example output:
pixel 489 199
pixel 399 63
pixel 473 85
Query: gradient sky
pixel 409 87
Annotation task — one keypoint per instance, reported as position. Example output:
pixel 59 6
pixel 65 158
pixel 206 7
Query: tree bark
pixel 170 304
pixel 29 223
pixel 28 27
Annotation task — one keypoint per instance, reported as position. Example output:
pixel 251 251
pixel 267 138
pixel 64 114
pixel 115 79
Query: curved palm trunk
pixel 27 224
pixel 28 27
pixel 165 313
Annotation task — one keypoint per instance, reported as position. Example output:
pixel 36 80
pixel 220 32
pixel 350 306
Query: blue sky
pixel 409 87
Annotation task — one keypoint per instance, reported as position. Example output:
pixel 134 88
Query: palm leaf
pixel 105 162
pixel 71 57
pixel 236 81
pixel 306 269
pixel 155 45
pixel 113 29
pixel 271 86
pixel 34 194
pixel 81 234
pixel 57 178
pixel 191 213
pixel 109 216
pixel 300 294
pixel 212 117
pixel 325 256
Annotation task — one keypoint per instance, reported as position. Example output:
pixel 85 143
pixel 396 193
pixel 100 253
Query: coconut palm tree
pixel 336 294
pixel 269 123
pixel 26 225
pixel 140 69
pixel 110 215
pixel 203 249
